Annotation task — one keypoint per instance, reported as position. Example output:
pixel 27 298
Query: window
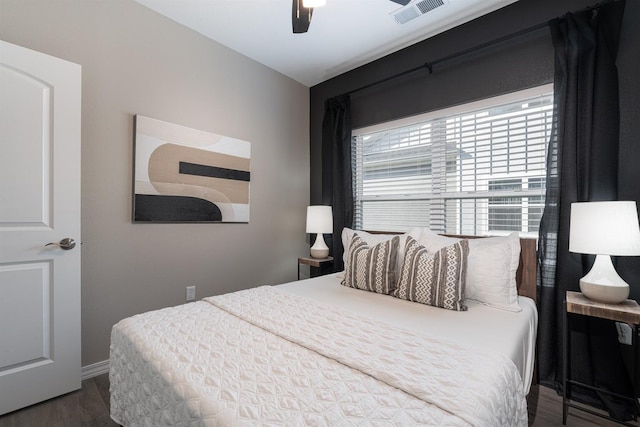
pixel 477 168
pixel 515 213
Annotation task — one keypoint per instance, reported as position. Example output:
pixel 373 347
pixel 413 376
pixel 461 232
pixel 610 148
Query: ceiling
pixel 343 35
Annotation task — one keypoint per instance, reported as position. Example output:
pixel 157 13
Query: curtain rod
pixel 429 65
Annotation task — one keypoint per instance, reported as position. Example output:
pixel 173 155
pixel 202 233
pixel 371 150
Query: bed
pixel 321 352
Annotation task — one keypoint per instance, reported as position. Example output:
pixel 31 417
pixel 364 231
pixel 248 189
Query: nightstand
pixel 625 312
pixel 321 265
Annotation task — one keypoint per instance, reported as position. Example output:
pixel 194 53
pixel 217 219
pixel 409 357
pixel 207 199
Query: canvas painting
pixel 188 175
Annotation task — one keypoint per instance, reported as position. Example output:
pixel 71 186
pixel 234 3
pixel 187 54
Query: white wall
pixel 135 61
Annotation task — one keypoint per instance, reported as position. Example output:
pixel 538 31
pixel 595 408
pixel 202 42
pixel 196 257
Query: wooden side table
pixel 626 312
pixel 321 264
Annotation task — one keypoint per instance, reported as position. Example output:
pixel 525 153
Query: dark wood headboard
pixel 526 276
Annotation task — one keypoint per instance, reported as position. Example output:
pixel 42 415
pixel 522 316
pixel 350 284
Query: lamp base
pixel 604 293
pixel 319 253
pixel 603 284
pixel 319 249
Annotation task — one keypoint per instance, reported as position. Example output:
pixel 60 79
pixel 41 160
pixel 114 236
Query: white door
pixel 39 203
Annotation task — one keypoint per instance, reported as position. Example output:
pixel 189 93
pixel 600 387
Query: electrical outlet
pixel 624 333
pixel 191 293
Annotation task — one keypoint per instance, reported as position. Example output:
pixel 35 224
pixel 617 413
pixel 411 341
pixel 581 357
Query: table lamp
pixel 319 220
pixel 604 229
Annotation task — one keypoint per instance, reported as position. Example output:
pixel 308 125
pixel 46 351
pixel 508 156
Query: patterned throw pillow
pixel 371 268
pixel 434 279
pixel 491 267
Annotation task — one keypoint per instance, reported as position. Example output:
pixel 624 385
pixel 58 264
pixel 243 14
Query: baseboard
pixel 95 369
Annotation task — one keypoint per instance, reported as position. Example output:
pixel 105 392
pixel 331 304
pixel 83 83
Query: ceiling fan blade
pixel 300 17
pixel 402 2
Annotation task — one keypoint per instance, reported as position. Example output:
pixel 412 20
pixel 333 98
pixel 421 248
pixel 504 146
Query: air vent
pixel 414 10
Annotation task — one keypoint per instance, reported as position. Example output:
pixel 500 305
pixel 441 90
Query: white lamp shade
pixel 313 3
pixel 319 219
pixel 605 228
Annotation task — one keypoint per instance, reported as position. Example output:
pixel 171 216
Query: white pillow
pixel 374 239
pixel 492 266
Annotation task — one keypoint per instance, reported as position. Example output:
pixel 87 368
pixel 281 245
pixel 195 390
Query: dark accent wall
pixel 629 172
pixel 512 65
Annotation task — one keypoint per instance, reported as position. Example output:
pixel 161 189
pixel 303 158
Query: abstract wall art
pixel 188 175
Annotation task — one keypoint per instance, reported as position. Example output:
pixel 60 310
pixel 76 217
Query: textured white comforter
pixel 269 357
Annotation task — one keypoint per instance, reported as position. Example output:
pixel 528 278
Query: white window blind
pixel 475 169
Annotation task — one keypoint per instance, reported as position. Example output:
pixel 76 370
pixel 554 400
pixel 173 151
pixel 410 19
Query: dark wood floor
pixel 89 407
pixel 545 409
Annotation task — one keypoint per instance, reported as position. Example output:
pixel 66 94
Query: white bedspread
pixel 511 334
pixel 269 357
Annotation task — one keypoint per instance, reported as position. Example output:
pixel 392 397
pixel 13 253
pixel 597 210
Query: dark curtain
pixel 336 170
pixel 582 165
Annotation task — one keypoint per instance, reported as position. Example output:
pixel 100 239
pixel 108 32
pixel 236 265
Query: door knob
pixel 66 243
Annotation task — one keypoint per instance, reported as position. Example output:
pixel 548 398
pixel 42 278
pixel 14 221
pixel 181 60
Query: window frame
pixel 438 161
